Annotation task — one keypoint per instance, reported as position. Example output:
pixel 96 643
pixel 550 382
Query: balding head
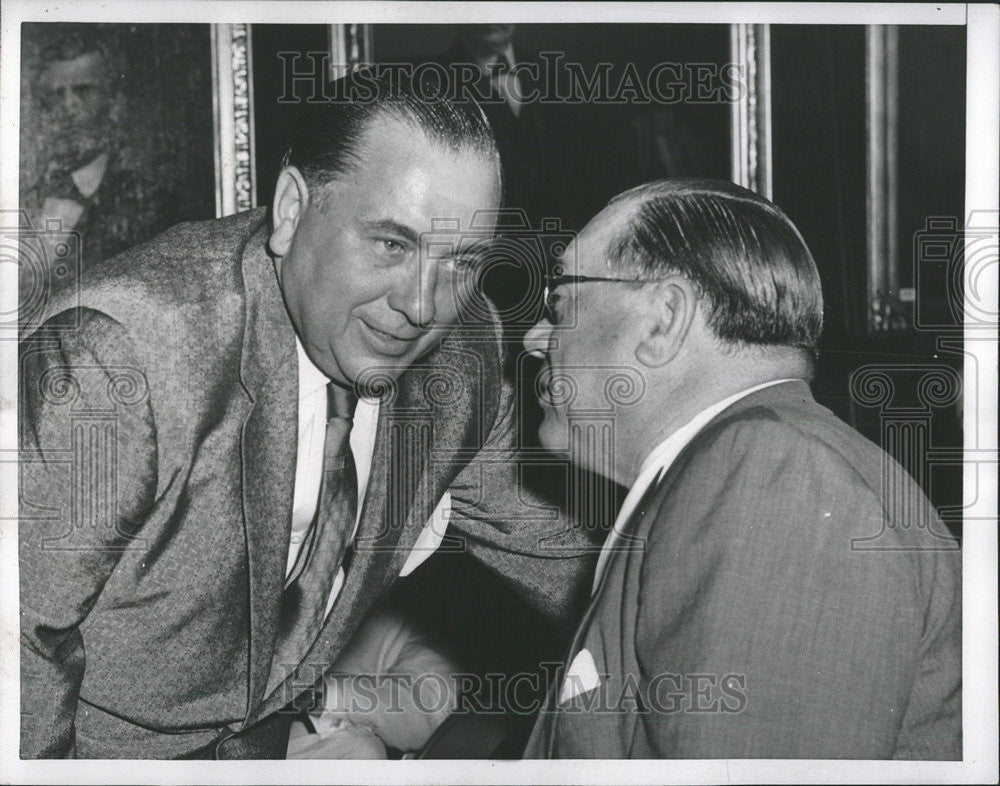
pixel 743 253
pixel 682 293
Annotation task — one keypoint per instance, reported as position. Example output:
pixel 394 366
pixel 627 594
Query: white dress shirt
pixel 657 463
pixel 309 470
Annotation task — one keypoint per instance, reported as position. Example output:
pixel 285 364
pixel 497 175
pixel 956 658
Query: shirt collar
pixel 659 461
pixel 311 379
pixel 88 178
pixel 508 55
pixel 663 455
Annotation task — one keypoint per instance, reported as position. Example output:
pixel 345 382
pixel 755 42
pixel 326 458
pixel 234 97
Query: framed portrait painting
pixel 116 142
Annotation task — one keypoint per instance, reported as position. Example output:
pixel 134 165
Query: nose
pixel 73 103
pixel 415 293
pixel 536 340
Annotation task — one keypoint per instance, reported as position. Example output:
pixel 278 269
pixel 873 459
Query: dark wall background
pixel 932 156
pixel 593 150
pixel 273 114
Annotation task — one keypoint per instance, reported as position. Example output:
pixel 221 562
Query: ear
pixel 291 195
pixel 672 305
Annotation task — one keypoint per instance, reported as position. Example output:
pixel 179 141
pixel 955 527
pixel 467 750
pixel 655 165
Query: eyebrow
pixel 388 225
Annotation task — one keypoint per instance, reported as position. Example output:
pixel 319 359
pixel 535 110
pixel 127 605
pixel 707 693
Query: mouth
pixel 386 342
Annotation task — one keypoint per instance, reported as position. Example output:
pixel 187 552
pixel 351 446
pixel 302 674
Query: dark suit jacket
pixel 158 434
pixel 781 598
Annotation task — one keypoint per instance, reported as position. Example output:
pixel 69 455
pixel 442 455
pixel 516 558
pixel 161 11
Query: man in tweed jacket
pixel 775 585
pixel 161 441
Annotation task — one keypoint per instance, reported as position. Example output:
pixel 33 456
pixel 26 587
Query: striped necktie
pixel 303 603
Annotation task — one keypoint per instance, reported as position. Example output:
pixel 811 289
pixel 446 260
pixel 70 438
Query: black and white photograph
pixel 424 392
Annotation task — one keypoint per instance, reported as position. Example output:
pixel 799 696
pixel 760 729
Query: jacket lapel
pixel 269 372
pixel 752 405
pixel 543 737
pixel 428 420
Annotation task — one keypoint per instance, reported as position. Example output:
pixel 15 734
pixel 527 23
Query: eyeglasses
pixel 549 298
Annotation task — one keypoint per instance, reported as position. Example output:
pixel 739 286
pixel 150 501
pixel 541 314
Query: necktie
pixel 303 603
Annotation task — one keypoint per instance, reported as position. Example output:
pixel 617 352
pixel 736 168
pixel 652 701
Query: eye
pixel 461 264
pixel 552 307
pixel 388 247
pixel 56 95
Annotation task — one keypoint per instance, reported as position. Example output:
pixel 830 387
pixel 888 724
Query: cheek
pixel 321 306
pixel 450 297
pixel 330 292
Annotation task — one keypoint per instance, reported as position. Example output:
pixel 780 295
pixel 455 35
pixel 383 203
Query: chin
pixel 376 378
pixel 553 436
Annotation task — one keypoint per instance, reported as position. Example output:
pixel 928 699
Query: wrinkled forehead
pixel 87 69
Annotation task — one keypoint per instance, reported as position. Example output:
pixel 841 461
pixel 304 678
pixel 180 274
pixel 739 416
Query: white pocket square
pixel 430 537
pixel 581 676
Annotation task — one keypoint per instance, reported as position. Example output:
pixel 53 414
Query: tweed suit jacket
pixel 158 426
pixel 784 591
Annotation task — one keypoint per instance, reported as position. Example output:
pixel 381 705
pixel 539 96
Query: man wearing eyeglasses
pixel 761 594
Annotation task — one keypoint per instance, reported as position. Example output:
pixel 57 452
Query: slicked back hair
pixel 742 252
pixel 326 140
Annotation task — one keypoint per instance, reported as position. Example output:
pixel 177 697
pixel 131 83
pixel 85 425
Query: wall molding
pixel 750 114
pixel 232 108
